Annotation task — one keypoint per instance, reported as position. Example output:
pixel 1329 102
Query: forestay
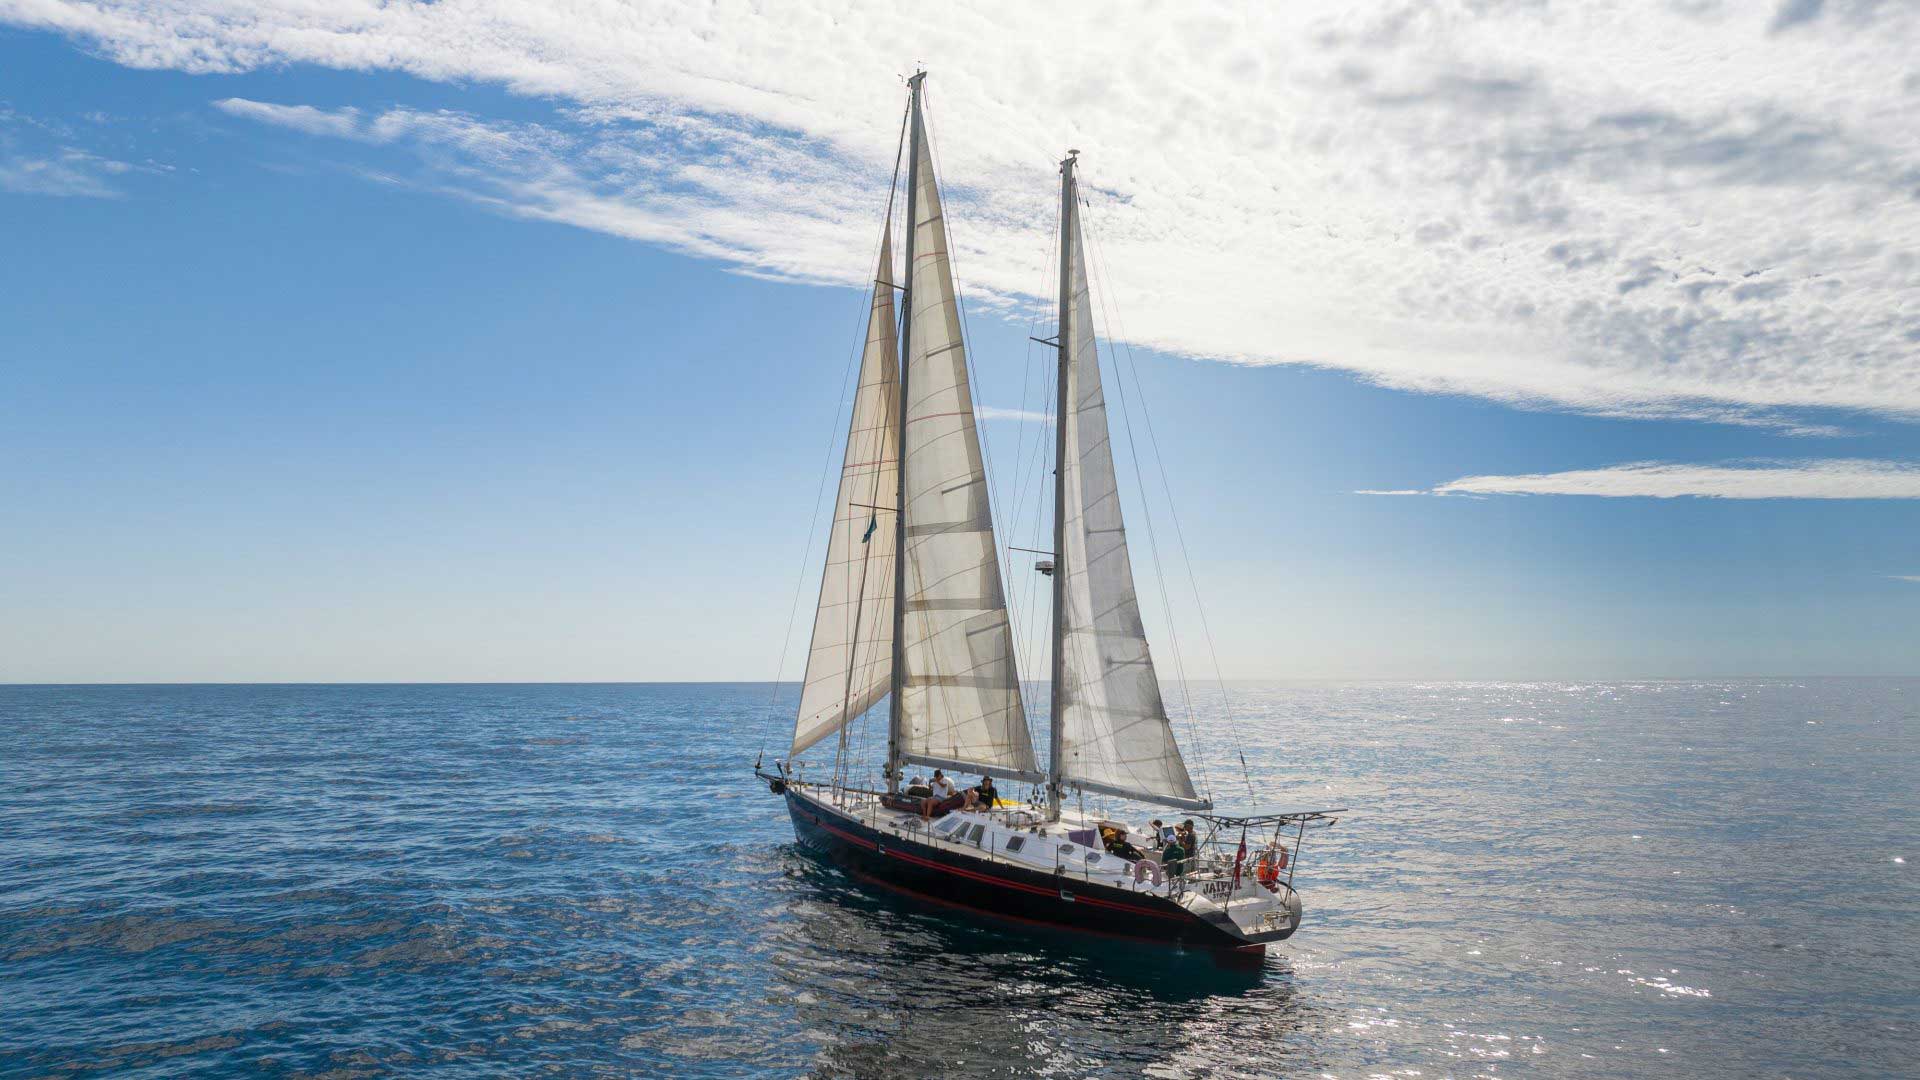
pixel 960 698
pixel 851 661
pixel 1114 735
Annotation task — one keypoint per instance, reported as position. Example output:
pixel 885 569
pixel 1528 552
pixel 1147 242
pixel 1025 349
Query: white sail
pixel 1113 732
pixel 960 696
pixel 851 662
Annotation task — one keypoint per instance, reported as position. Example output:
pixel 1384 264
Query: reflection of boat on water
pixel 913 612
pixel 887 988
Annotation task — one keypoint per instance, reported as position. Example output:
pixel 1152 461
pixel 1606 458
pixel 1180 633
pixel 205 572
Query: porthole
pixel 1015 843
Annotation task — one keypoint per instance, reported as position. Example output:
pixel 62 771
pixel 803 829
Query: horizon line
pixel 1041 682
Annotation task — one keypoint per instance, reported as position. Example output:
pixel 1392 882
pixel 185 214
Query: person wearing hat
pixel 985 793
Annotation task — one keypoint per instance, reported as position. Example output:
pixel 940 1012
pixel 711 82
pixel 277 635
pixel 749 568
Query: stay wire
pixel 1153 542
pixel 1022 470
pixel 826 469
pixel 1186 556
pixel 856 595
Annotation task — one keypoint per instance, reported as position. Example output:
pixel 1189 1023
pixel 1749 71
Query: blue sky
pixel 419 383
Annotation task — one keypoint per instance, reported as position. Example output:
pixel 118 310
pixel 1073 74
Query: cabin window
pixel 1015 843
pixel 947 826
pixel 975 834
pixel 1066 849
pixel 1093 858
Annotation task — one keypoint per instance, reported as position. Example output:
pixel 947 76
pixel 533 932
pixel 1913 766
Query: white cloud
pixel 51 176
pixel 38 156
pixel 344 123
pixel 67 172
pixel 1704 210
pixel 1915 578
pixel 994 412
pixel 1844 478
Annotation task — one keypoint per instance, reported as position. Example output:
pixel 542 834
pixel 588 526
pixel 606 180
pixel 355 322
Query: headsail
pixel 1111 729
pixel 851 661
pixel 960 695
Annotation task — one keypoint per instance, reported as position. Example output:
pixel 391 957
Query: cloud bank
pixel 1846 478
pixel 1706 210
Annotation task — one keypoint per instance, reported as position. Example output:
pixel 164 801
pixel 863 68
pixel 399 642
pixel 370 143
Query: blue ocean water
pixel 1537 879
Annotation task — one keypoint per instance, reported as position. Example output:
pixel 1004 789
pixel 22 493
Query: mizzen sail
pixel 1111 734
pixel 850 664
pixel 959 695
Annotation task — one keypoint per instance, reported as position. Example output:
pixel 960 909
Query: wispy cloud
pixel 72 173
pixel 344 123
pixel 1685 210
pixel 38 156
pixel 994 412
pixel 1914 578
pixel 1843 478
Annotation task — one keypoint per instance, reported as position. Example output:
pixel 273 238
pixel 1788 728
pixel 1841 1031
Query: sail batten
pixel 958 689
pixel 850 662
pixel 1111 730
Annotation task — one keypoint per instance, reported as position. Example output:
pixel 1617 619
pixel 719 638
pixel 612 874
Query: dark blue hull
pixel 1032 897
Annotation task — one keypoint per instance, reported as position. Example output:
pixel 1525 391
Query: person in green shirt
pixel 1174 857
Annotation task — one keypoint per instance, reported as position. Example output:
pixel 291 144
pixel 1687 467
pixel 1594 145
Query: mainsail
pixel 1111 732
pixel 851 661
pixel 959 698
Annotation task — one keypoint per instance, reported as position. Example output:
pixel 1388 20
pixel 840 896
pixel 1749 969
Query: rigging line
pixel 1020 469
pixel 1153 544
pixel 1186 555
pixel 1029 606
pixel 873 488
pixel 1039 636
pixel 1042 498
pixel 1019 456
pixel 833 432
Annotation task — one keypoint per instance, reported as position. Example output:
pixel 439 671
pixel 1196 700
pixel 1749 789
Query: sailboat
pixel 912 612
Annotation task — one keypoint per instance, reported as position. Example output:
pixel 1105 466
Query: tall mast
pixel 896 712
pixel 1059 678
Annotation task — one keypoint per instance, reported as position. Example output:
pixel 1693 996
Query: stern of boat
pixel 1250 912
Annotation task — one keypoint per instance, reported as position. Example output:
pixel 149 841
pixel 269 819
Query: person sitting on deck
pixel 982 795
pixel 942 787
pixel 1116 844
